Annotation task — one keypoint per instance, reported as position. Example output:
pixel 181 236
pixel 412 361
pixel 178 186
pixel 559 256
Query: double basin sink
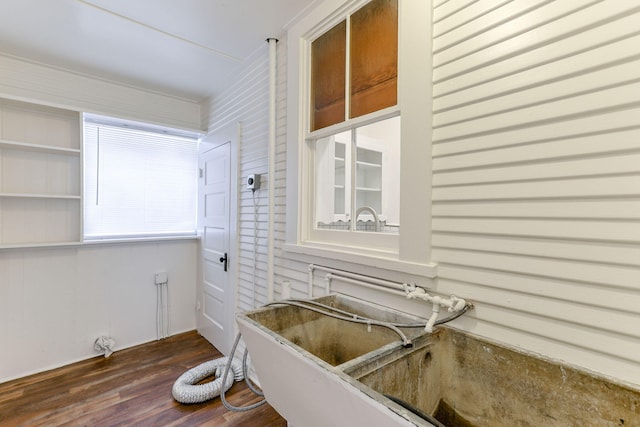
pixel 318 371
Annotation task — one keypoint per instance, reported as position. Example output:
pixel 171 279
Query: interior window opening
pixel 357 179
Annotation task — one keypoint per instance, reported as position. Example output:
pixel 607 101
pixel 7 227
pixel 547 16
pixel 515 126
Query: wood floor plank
pixel 132 387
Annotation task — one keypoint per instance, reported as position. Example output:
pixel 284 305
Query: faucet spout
pixel 372 212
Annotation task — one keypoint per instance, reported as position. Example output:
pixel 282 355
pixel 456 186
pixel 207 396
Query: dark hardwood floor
pixel 131 388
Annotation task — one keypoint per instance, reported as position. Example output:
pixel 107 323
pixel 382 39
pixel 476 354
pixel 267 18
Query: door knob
pixel 224 259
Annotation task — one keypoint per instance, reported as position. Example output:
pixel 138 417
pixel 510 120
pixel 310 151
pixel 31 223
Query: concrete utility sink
pixel 300 358
pixel 465 381
pixel 318 372
pixel 333 340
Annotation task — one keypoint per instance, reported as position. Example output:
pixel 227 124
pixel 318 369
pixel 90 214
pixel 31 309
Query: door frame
pixel 229 133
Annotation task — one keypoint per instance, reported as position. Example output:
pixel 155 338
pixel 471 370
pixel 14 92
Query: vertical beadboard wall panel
pixel 536 186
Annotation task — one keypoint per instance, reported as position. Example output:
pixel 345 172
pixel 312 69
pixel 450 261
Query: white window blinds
pixel 138 183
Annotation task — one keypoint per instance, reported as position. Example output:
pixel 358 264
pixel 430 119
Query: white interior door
pixel 216 290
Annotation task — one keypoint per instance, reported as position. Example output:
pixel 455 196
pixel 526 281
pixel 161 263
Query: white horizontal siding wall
pixel 536 186
pixel 286 270
pixel 246 102
pixel 536 206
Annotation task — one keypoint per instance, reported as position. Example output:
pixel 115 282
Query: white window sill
pixel 312 252
pixel 95 242
pixel 145 239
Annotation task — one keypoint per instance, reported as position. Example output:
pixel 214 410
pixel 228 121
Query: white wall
pixel 54 302
pixel 536 177
pixel 536 165
pixel 27 81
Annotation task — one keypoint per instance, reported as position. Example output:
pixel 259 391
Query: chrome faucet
pixel 370 210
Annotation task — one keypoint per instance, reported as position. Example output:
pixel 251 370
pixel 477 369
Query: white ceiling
pixel 186 48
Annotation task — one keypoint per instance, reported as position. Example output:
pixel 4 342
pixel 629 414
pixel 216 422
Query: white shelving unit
pixel 40 175
pixel 339 187
pixel 369 179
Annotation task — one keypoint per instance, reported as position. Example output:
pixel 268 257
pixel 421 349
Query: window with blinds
pixel 138 182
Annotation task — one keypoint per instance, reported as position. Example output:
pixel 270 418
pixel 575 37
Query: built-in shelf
pixel 369 165
pixel 37 147
pixel 40 245
pixel 40 176
pixel 369 179
pixel 39 196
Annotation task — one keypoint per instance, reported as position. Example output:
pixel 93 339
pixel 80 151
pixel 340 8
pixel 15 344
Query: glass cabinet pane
pixel 339 207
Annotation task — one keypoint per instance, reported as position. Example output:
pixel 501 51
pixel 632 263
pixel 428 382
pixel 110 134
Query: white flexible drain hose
pixel 184 390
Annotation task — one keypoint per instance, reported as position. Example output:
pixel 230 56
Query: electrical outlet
pixel 253 182
pixel 162 277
